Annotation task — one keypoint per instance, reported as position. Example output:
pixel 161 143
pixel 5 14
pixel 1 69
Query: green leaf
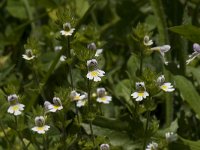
pixel 190 32
pixel 194 145
pixel 195 73
pixel 188 93
pixel 133 64
pixel 16 9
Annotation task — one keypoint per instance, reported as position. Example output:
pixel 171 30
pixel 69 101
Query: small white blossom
pixel 102 97
pixel 15 107
pixel 40 126
pixel 95 75
pixel 196 53
pixel 147 41
pixel 104 147
pixel 28 55
pixel 81 102
pixel 63 58
pixel 165 86
pixel 56 106
pixel 67 30
pixel 162 49
pixel 140 93
pixel 57 48
pixel 170 136
pixel 98 52
pixel 152 146
pixel 76 96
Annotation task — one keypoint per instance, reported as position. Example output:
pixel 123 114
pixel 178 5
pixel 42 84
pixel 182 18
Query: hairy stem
pixel 19 134
pixel 146 129
pixel 90 109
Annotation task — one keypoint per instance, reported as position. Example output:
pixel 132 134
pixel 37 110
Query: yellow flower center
pixel 164 87
pixel 40 128
pixel 15 107
pixel 77 97
pixel 94 73
pixel 140 94
pixel 55 106
pixel 103 98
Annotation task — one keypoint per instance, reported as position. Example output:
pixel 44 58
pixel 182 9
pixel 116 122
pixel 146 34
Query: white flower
pixel 170 136
pixel 165 86
pixel 98 52
pixel 95 75
pixel 104 147
pixel 162 49
pixel 139 96
pixel 196 48
pixel 82 100
pixel 29 55
pixel 152 146
pixel 16 109
pixel 140 93
pixel 41 130
pixel 67 30
pixel 76 96
pixel 63 58
pixel 81 103
pixel 57 105
pixel 40 127
pixel 57 48
pixel 146 41
pixel 104 99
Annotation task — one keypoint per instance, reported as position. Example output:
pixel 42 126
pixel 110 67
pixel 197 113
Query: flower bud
pixel 46 105
pixel 164 48
pixel 57 101
pixel 160 80
pixel 140 86
pixel 92 63
pixel 92 46
pixel 104 147
pixel 196 47
pixel 67 26
pixel 39 121
pixel 13 99
pixel 171 136
pixel 101 92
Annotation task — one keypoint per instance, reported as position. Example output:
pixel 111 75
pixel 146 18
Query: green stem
pixel 163 37
pixel 29 13
pixel 146 129
pixel 6 137
pixel 70 66
pixel 90 109
pixel 19 135
pixel 44 142
pixel 141 61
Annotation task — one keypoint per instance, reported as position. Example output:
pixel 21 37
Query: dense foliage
pixel 99 74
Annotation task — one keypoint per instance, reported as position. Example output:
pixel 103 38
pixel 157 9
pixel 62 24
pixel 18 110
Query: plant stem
pixel 141 61
pixel 6 137
pixel 44 142
pixel 29 13
pixel 146 129
pixel 158 9
pixel 90 109
pixel 19 135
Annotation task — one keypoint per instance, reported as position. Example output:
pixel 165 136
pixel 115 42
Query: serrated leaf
pixel 188 93
pixel 190 32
